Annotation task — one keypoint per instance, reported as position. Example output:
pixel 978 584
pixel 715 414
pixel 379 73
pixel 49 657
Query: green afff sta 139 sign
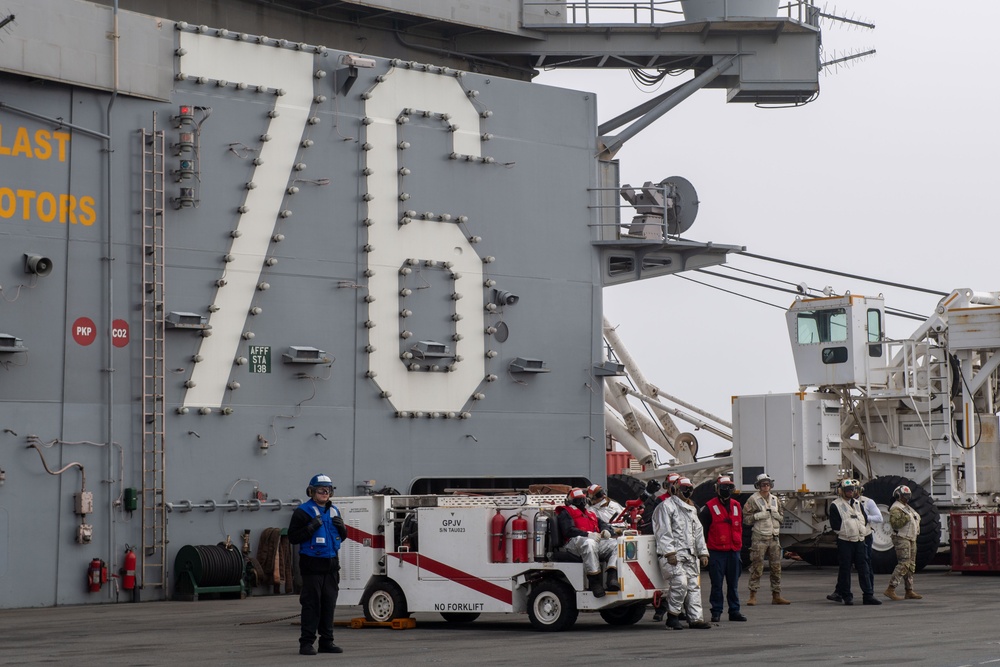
pixel 260 359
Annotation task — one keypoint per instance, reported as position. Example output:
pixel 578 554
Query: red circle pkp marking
pixel 119 333
pixel 84 331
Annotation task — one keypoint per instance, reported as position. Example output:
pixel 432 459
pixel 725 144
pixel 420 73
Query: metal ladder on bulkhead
pixel 153 559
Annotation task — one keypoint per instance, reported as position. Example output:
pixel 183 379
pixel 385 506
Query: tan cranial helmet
pixel 763 477
pixel 851 485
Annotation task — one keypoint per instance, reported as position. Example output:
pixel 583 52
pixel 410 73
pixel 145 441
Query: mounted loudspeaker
pixel 41 266
pixel 504 298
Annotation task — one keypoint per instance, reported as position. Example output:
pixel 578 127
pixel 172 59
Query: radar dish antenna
pixel 685 209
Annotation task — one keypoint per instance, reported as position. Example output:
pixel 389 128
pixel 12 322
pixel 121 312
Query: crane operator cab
pixel 838 341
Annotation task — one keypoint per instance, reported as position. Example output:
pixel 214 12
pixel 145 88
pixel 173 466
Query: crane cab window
pixel 822 326
pixel 874 332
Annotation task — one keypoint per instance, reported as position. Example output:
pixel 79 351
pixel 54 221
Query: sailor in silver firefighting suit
pixel 601 504
pixel 680 547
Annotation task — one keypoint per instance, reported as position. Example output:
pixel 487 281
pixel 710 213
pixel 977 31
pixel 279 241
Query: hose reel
pixel 209 569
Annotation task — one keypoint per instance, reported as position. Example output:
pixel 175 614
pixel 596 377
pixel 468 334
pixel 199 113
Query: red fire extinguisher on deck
pixel 519 540
pixel 97 575
pixel 128 570
pixel 498 548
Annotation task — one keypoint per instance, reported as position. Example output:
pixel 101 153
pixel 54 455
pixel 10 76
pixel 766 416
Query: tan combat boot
pixel 777 599
pixel 913 595
pixel 890 593
pixel 753 599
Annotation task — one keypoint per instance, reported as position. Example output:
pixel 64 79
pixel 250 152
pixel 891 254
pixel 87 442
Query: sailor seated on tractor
pixel 603 506
pixel 588 536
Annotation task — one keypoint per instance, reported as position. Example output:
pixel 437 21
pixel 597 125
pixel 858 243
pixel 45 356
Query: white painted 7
pixel 255 65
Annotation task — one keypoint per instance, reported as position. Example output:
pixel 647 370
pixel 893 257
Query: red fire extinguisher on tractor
pixel 498 547
pixel 97 575
pixel 128 569
pixel 519 539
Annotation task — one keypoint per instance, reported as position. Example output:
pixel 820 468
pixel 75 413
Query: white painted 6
pixel 393 244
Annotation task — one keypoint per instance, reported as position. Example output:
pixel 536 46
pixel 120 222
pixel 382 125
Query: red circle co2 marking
pixel 119 333
pixel 84 331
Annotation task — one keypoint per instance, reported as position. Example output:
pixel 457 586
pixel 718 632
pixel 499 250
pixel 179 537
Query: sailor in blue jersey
pixel 318 529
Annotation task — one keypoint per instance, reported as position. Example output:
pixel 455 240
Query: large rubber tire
pixel 383 602
pixel 622 488
pixel 626 615
pixel 459 616
pixel 552 606
pixel 705 492
pixel 817 556
pixel 883 554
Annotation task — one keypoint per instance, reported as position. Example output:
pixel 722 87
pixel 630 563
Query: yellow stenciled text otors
pixel 19 143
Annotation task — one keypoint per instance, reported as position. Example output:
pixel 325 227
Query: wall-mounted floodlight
pixel 609 368
pixel 345 77
pixel 429 349
pixel 182 320
pixel 352 60
pixel 523 365
pixel 299 354
pixel 10 344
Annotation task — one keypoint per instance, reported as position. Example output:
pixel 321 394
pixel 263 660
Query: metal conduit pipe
pixel 55 122
pixel 83 475
pixel 232 505
pixel 110 152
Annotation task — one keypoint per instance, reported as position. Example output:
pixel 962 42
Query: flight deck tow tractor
pixel 465 555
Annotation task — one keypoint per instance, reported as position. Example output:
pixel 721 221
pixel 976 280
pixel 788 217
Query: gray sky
pixel 891 173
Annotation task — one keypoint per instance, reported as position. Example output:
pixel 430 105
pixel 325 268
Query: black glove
pixel 338 523
pixel 652 486
pixel 329 504
pixel 315 524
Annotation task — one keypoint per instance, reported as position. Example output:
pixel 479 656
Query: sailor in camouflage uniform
pixel 905 523
pixel 763 512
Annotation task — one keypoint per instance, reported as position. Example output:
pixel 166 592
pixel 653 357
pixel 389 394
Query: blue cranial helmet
pixel 321 480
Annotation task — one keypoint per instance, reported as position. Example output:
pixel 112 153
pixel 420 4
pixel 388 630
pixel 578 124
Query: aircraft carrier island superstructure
pixel 244 242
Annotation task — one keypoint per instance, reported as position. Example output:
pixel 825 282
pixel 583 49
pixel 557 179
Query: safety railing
pixel 546 13
pixel 621 220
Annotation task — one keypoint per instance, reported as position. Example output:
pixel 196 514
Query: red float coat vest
pixel 586 521
pixel 725 533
